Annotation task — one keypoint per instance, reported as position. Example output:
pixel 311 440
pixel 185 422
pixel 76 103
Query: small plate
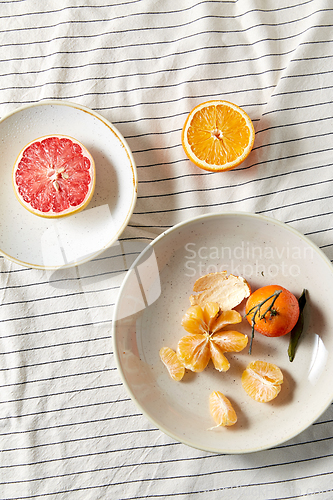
pixel 37 242
pixel 155 295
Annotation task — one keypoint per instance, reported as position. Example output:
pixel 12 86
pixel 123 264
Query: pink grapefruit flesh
pixel 54 176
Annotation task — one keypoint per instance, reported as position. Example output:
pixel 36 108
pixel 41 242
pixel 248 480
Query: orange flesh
pixel 218 135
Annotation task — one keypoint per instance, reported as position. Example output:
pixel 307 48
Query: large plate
pixel 154 297
pixel 33 241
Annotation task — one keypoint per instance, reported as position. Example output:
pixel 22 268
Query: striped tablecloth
pixel 68 429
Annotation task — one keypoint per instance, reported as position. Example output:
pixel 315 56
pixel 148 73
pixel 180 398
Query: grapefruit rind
pixel 72 209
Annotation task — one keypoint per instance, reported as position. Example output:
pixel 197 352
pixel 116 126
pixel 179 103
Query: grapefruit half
pixel 54 176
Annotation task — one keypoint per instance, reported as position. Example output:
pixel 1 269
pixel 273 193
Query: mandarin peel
pixel 207 339
pixel 228 291
pixel 272 311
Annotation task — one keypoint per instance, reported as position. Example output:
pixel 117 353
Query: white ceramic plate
pixel 33 241
pixel 154 297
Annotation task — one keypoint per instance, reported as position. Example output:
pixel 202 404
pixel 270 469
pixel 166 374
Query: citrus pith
pixel 54 176
pixel 217 135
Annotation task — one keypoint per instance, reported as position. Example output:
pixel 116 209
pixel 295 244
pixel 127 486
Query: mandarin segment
pixel 226 318
pixel 221 410
pixel 262 381
pixel 171 362
pixel 207 340
pixel 193 351
pixel 220 362
pixel 230 341
pixel 193 320
pixel 210 313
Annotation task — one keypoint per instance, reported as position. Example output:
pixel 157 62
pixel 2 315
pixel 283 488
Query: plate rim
pixel 150 245
pixel 117 133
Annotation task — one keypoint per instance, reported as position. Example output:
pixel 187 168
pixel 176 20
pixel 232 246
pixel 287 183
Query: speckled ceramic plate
pixel 34 241
pixel 154 297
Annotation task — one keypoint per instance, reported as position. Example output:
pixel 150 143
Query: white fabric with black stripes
pixel 68 429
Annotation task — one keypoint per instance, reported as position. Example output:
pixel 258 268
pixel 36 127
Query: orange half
pixel 217 135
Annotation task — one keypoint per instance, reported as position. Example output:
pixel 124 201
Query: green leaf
pixel 296 332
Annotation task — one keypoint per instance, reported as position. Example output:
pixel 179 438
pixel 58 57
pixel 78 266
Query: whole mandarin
pixel 272 310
